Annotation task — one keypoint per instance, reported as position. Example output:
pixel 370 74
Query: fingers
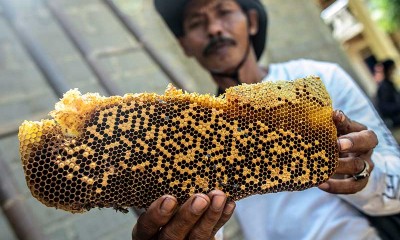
pixel 345 125
pixel 361 142
pixel 356 143
pixel 158 214
pixel 226 215
pixel 343 186
pixel 200 217
pixel 185 218
pixel 206 227
pixel 350 165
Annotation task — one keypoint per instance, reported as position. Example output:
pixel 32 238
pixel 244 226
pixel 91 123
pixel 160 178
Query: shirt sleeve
pixel 381 196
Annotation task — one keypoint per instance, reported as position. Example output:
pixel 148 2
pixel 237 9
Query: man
pixel 388 98
pixel 227 38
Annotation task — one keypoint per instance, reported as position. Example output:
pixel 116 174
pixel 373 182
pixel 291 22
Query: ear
pixel 253 22
pixel 185 46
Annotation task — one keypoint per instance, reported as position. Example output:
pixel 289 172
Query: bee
pixel 120 209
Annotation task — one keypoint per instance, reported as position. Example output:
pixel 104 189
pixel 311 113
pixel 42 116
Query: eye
pixel 195 23
pixel 224 11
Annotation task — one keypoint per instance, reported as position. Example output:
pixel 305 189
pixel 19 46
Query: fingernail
pixel 218 202
pixel 168 205
pixel 229 208
pixel 199 204
pixel 340 116
pixel 345 144
pixel 324 186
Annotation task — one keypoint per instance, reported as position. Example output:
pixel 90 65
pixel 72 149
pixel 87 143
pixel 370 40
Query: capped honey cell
pixel 128 151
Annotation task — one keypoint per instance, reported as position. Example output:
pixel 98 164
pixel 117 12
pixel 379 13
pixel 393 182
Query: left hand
pixel 356 145
pixel 200 217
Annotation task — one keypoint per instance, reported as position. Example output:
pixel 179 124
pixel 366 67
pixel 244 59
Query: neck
pixel 249 73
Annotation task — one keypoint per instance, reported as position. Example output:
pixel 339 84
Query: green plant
pixel 388 14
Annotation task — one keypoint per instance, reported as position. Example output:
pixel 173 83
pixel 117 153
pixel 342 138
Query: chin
pixel 222 65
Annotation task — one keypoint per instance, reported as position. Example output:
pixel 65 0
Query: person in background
pixel 227 38
pixel 388 98
pixel 378 73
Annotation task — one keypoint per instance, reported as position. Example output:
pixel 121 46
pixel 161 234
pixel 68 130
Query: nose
pixel 215 28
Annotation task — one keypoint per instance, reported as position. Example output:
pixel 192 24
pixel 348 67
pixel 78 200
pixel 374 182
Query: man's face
pixel 216 33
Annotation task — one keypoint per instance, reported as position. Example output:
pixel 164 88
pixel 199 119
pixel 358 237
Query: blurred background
pixel 119 46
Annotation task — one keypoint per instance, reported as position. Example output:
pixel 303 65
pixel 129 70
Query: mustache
pixel 215 41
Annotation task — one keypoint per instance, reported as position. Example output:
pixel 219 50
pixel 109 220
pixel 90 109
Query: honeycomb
pixel 128 151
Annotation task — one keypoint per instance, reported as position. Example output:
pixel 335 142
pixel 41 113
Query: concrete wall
pixel 295 31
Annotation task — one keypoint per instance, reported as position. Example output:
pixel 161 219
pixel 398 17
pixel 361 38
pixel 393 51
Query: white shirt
pixel 313 213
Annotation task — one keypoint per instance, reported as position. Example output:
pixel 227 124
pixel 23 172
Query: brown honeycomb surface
pixel 128 151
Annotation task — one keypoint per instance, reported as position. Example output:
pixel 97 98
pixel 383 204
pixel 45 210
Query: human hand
pixel 200 217
pixel 356 145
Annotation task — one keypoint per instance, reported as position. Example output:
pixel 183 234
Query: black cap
pixel 172 13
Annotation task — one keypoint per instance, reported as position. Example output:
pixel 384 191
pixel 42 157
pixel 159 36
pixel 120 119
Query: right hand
pixel 356 144
pixel 200 217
